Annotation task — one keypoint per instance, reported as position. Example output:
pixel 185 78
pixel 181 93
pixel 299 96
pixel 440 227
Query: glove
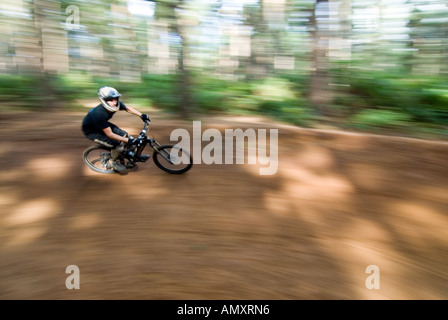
pixel 145 117
pixel 133 142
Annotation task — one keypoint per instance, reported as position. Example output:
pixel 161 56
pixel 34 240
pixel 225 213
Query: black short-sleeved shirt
pixel 98 118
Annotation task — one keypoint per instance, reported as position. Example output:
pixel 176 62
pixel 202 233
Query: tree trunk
pixel 184 76
pixel 319 94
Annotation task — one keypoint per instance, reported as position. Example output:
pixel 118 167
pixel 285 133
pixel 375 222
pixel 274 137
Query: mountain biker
pixel 96 126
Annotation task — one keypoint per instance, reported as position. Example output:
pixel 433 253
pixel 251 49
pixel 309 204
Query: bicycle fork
pixel 165 154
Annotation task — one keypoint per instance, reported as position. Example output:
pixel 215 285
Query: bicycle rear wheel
pixel 96 157
pixel 172 159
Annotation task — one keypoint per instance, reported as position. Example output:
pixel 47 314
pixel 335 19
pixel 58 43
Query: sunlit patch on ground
pixel 5 149
pixel 26 223
pixel 33 211
pixel 426 224
pixel 50 167
pixel 13 174
pixel 26 236
pixel 85 221
pixel 146 189
pixel 7 198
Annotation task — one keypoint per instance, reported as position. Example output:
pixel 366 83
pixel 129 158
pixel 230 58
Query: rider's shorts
pixel 101 138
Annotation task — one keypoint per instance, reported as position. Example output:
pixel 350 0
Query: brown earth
pixel 339 202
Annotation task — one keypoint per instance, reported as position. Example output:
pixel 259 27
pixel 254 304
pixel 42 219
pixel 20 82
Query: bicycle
pixel 170 158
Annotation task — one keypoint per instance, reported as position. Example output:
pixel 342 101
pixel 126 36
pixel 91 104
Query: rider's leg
pixel 119 148
pixel 115 129
pixel 115 152
pixel 116 148
pixel 104 140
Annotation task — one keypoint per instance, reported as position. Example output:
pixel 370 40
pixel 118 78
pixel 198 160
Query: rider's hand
pixel 145 117
pixel 135 142
pixel 132 142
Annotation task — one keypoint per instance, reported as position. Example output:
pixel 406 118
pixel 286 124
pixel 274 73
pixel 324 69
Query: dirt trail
pixel 338 203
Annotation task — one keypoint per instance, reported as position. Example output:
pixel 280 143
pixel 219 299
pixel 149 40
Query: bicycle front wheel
pixel 172 159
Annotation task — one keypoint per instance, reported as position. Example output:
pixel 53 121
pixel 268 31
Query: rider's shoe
pixel 142 158
pixel 131 165
pixel 116 165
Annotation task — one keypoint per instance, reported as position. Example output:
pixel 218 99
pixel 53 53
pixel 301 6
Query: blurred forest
pixel 370 65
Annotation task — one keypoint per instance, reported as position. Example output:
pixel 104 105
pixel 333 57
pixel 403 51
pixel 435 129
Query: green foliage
pixel 274 89
pixel 15 87
pixel 220 95
pixel 380 118
pixel 275 97
pixel 425 100
pixel 208 100
pixel 36 91
pixel 292 111
pixel 163 90
pixel 281 98
pixel 74 86
pixel 351 103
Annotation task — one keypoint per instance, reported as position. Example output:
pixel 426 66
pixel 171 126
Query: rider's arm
pixel 114 136
pixel 133 111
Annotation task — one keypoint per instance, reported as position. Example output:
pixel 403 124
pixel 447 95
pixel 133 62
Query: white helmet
pixel 107 93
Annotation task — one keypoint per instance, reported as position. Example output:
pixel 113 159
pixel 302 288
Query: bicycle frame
pixel 153 143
